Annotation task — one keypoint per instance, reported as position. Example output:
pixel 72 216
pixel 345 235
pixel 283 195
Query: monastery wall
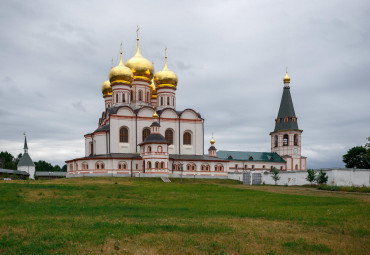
pixel 336 176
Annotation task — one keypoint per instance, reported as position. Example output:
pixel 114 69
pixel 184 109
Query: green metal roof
pixel 26 160
pixel 250 156
pixel 286 110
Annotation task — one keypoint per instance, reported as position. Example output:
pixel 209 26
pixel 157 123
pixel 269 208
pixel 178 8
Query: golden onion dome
pixel 212 140
pixel 140 66
pixel 165 78
pixel 155 115
pixel 286 78
pixel 106 89
pixel 153 89
pixel 120 73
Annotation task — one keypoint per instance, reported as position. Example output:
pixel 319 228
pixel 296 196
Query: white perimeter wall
pixel 339 177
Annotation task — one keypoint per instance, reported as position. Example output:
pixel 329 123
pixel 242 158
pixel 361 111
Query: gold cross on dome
pixel 121 46
pixel 165 51
pixel 286 69
pixel 137 31
pixel 24 133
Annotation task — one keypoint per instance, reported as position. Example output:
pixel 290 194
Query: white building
pixel 141 131
pixel 25 163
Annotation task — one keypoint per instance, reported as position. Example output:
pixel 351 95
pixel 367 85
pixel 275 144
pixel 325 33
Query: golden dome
pixel 286 78
pixel 165 78
pixel 106 89
pixel 212 141
pixel 153 90
pixel 155 115
pixel 140 66
pixel 120 73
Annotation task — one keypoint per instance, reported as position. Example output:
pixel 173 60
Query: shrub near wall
pixel 342 188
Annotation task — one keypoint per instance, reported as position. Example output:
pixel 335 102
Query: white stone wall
pixel 339 177
pixel 29 169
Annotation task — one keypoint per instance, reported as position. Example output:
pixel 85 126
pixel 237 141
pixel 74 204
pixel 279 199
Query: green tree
pixel 367 154
pixel 355 158
pixel 275 175
pixel 7 161
pixel 322 178
pixel 311 176
pixel 43 166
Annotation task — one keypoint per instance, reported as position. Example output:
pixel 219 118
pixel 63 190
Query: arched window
pixel 295 139
pixel 122 165
pixel 156 165
pixel 281 168
pixel 123 97
pixel 169 136
pixel 286 119
pixel 85 166
pixel 147 96
pixel 188 167
pixel 123 135
pixel 132 95
pixel 276 141
pixel 162 165
pixel 149 149
pixel 168 100
pixel 285 140
pixel 294 119
pixel 91 148
pixel 159 149
pixel 263 167
pixel 296 167
pixel 161 100
pixel 116 98
pixel 149 165
pixel 140 95
pixel 173 101
pixel 146 132
pixel 99 165
pixel 187 138
pixel 193 167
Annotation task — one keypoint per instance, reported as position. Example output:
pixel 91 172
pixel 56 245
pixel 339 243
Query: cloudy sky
pixel 230 57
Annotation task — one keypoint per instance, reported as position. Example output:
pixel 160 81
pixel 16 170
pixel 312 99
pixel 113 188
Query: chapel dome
pixel 106 89
pixel 286 78
pixel 120 73
pixel 153 89
pixel 165 78
pixel 141 67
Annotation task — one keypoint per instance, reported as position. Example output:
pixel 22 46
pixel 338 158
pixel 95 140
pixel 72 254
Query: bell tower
pixel 286 137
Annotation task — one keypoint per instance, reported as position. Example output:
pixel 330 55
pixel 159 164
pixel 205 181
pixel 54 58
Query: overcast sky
pixel 230 57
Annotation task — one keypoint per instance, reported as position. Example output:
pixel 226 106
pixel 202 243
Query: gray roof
pixel 9 171
pixel 154 138
pixel 250 156
pixel 195 157
pixel 286 110
pixel 102 128
pixel 42 173
pixel 26 160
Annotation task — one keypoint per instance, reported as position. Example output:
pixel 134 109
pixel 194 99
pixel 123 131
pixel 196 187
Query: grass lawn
pixel 147 216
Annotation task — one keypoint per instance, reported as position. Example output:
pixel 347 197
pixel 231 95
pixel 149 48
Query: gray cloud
pixel 230 58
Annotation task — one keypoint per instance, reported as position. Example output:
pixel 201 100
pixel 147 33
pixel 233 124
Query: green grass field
pixel 147 216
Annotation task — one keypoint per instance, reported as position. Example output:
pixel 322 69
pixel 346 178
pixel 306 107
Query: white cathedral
pixel 142 133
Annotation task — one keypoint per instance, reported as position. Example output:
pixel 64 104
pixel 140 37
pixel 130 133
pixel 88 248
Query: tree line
pixel 8 161
pixel 358 156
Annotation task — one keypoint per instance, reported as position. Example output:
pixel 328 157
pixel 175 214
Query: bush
pixel 311 176
pixel 322 178
pixel 346 189
pixel 275 175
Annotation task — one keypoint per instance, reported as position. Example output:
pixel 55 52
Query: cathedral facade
pixel 141 132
